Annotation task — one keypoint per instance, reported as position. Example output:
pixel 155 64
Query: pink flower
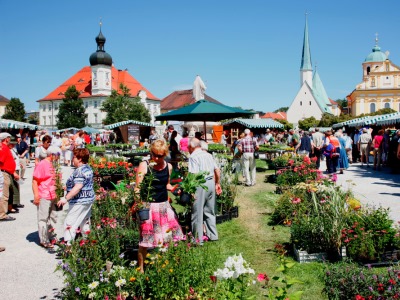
pixel 68 227
pixel 205 238
pixel 191 291
pixel 296 200
pixel 334 177
pixel 87 232
pixel 78 230
pixel 262 276
pixel 82 242
pixel 113 223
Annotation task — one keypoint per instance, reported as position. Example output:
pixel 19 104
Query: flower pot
pixel 185 199
pixel 223 218
pixel 144 214
pixel 59 208
pixel 234 212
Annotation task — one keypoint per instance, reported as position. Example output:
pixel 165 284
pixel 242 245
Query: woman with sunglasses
pixel 163 223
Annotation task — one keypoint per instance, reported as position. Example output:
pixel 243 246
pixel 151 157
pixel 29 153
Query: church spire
pixel 306 56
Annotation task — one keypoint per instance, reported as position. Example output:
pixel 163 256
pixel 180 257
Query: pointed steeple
pixel 306 56
pixel 320 94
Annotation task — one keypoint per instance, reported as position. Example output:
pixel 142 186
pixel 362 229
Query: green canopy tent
pixel 204 110
pixel 90 130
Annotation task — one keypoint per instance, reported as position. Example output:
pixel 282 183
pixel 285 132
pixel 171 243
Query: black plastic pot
pixel 144 214
pixel 185 199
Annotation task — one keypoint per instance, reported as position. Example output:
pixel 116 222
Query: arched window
pixel 387 105
pixel 301 103
pixel 372 108
pixel 368 70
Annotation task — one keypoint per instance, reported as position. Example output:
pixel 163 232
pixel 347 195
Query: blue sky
pixel 247 52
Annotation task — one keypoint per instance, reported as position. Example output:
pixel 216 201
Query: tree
pixel 342 103
pixel 284 109
pixel 122 107
pixel 71 112
pixel 287 125
pixel 15 110
pixel 308 122
pixel 33 119
pixel 327 120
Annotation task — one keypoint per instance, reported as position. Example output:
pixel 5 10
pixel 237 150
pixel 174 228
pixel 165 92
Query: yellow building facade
pixel 380 87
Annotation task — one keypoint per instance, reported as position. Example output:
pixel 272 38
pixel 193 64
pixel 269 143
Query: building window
pixel 373 82
pixel 372 108
pixel 44 120
pixel 86 104
pixel 55 106
pixel 301 103
pixel 50 107
pixel 387 105
pixel 310 102
pixel 95 104
pixel 368 70
pixel 95 118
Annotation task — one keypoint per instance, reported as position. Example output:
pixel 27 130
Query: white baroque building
pixel 95 83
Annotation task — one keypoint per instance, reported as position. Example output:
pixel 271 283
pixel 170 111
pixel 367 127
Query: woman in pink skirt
pixel 163 225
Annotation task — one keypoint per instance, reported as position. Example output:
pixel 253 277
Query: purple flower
pixel 362 276
pixel 121 255
pixel 370 288
pixel 78 290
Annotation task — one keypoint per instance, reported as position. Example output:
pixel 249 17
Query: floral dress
pixel 163 225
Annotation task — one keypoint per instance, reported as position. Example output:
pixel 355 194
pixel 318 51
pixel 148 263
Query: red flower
pixel 82 242
pixel 213 278
pixel 381 287
pixel 191 291
pixel 87 232
pixel 392 281
pixel 262 276
pixel 359 297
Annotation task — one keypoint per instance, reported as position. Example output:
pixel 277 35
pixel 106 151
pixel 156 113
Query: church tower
pixel 101 63
pixel 306 66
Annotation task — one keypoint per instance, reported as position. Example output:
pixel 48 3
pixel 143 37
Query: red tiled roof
pixel 333 102
pixel 83 83
pixel 4 99
pixel 276 116
pixel 178 99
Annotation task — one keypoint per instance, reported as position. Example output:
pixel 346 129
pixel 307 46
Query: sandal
pixel 47 245
pixel 13 211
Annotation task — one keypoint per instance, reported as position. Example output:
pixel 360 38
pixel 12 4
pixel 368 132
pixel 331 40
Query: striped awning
pixel 370 120
pixel 389 121
pixel 115 125
pixel 256 123
pixel 12 124
pixel 68 129
pixel 379 118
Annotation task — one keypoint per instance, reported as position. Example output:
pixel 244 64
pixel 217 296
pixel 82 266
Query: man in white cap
pixel 363 146
pixel 7 167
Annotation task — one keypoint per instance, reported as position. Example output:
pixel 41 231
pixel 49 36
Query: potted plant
pixel 59 185
pixel 189 186
pixel 229 186
pixel 145 195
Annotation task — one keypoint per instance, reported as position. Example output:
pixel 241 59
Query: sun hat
pixel 4 135
pixel 53 150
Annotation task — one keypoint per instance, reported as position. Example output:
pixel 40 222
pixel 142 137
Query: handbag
pixel 256 154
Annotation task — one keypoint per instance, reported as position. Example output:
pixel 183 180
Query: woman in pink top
pixel 377 143
pixel 44 191
pixel 184 142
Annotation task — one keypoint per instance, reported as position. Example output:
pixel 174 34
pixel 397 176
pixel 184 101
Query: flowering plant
pixel 58 180
pixel 232 281
pixel 350 281
pixel 301 169
pixel 369 234
pixel 145 191
pixel 106 167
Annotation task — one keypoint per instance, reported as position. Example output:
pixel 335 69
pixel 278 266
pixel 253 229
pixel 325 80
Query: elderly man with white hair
pixel 44 192
pixel 203 210
pixel 247 146
pixel 7 167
